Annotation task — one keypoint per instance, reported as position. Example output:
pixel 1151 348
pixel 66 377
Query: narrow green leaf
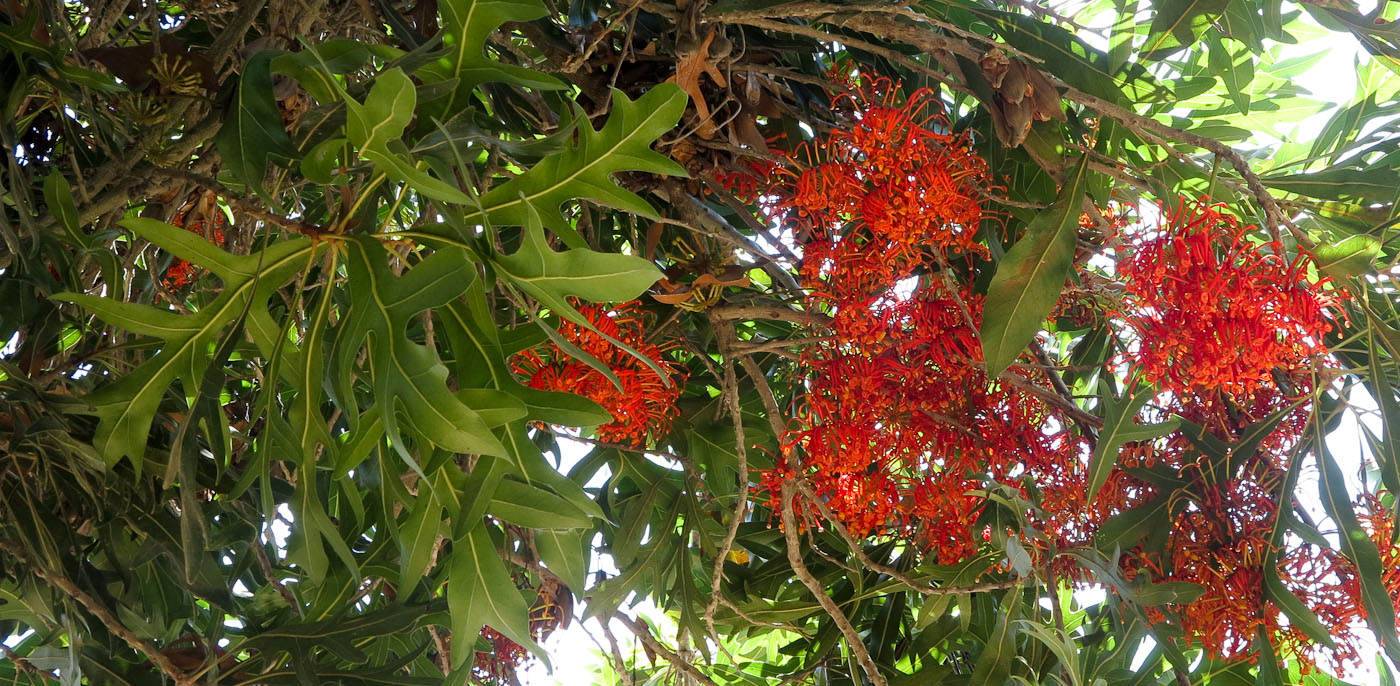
pixel 1358 547
pixel 1030 277
pixel 1347 184
pixel 993 665
pixel 59 198
pixel 418 536
pixel 1123 530
pixel 1269 672
pixel 1119 428
pixel 1168 592
pixel 528 506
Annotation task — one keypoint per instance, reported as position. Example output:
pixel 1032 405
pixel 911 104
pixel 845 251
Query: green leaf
pixel 1031 275
pixel 344 631
pixel 1178 24
pixel 480 593
pixel 566 554
pixel 1236 71
pixel 993 665
pixel 408 377
pixel 1358 547
pixel 1374 184
pixel 1351 256
pixel 1298 614
pixel 126 407
pixel 1123 530
pixel 418 536
pixel 387 110
pixel 314 530
pixel 585 170
pixel 553 277
pixel 1180 592
pixel 1119 428
pixel 1269 672
pixel 315 65
pixel 481 361
pixel 1058 643
pixel 466 26
pixel 253 130
pixel 58 195
pixel 535 508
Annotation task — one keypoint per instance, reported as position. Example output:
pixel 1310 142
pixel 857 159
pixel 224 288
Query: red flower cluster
pixel 1213 310
pixel 643 407
pixel 1231 332
pixel 901 428
pixel 882 192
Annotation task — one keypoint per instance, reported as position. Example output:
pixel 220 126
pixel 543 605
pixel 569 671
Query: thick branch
pixel 774 312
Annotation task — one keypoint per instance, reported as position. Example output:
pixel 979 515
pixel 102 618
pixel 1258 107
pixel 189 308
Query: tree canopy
pixel 942 342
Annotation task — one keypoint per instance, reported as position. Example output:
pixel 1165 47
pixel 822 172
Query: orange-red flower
pixel 498 666
pixel 1214 310
pixel 644 404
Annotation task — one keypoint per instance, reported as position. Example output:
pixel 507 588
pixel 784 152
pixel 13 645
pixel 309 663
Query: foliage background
pixel 403 195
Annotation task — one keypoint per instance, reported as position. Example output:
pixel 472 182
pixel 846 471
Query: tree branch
pixel 641 631
pixel 794 555
pixel 103 614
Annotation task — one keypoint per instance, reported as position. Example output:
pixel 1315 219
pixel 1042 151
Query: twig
pixel 241 203
pixel 1273 216
pixel 622 671
pixel 852 42
pixel 806 490
pixel 271 575
pixel 724 331
pixel 1055 379
pixel 843 623
pixel 758 622
pixel 103 614
pixel 641 631
pixel 25 665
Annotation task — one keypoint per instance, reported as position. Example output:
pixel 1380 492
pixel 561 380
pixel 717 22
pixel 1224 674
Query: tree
pixel 862 312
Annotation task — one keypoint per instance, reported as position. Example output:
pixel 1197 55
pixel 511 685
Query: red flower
pixel 1213 310
pixel 498 666
pixel 643 407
